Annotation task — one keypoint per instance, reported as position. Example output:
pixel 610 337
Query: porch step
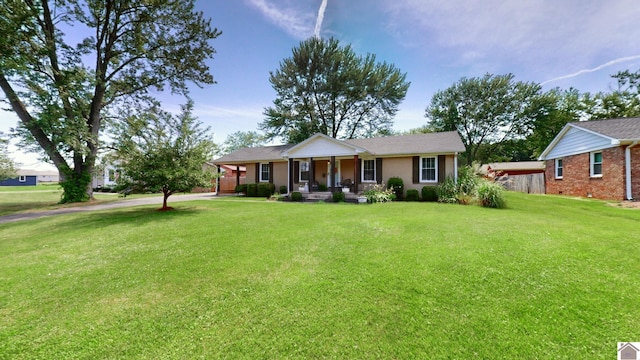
pixel 326 196
pixel 318 196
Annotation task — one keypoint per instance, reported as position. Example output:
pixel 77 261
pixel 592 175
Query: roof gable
pixel 583 136
pixel 322 145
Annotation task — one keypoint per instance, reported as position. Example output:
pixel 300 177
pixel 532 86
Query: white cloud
pixel 293 20
pixel 542 35
pixel 597 68
pixel 321 11
pixel 225 112
pixel 227 120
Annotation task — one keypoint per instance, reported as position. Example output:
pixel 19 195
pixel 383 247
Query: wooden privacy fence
pixel 530 183
pixel 228 184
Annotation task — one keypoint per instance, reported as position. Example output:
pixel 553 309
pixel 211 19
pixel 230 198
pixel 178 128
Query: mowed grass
pixel 547 278
pixel 17 199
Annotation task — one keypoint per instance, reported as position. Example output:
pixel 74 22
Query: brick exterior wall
pixel 576 179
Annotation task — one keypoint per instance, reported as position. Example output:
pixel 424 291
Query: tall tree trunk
pixel 166 193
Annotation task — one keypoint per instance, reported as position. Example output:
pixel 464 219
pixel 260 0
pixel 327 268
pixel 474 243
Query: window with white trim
pixel 559 168
pixel 304 171
pixel 368 170
pixel 595 164
pixel 112 175
pixel 22 178
pixel 429 169
pixel 264 172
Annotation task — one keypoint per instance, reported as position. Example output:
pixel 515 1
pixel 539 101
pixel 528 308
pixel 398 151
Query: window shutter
pixel 416 169
pixel 442 171
pixel 257 173
pixel 271 172
pixel 296 171
pixel 379 170
pixel 290 180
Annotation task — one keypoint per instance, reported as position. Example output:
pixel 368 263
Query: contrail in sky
pixel 585 71
pixel 323 7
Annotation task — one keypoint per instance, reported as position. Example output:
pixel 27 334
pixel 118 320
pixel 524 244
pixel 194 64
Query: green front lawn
pixel 547 278
pixel 16 199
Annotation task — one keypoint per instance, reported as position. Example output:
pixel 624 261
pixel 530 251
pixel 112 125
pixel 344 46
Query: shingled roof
pixel 254 154
pixel 442 143
pixel 619 129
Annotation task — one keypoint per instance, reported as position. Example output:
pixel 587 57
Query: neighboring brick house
pixel 599 159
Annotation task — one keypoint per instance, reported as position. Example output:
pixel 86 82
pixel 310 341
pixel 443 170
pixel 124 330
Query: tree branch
pixel 28 121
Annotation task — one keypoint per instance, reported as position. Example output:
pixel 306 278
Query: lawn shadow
pixel 138 215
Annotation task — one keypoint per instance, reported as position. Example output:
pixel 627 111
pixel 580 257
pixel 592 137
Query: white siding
pixel 577 141
pixel 321 147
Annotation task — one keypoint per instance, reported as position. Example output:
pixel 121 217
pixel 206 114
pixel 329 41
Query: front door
pixel 336 179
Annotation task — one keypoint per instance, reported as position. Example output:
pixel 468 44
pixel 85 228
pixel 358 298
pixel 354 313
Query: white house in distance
pixel 105 176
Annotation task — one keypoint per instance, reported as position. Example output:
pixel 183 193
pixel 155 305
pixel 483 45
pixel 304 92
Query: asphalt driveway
pixel 106 206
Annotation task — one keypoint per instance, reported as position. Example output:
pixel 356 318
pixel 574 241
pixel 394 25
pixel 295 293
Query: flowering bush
pixel 397 185
pixel 378 193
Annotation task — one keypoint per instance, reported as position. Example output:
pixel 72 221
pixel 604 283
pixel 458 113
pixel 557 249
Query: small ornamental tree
pixel 163 152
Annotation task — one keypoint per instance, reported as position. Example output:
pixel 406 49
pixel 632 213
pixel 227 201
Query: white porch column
pixel 455 167
pixel 627 165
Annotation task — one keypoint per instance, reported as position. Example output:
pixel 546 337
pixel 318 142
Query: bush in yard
pixel 322 187
pixel 491 195
pixel 242 188
pixel 413 195
pixel 296 196
pixel 397 186
pixel 378 193
pixel 283 189
pixel 252 190
pixel 429 193
pixel 467 181
pixel 447 191
pixel 265 189
pixel 338 196
pixel 462 192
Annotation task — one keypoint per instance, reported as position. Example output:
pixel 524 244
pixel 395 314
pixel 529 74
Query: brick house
pixel 351 165
pixel 599 159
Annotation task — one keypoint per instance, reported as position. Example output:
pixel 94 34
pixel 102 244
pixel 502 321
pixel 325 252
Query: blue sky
pixel 558 43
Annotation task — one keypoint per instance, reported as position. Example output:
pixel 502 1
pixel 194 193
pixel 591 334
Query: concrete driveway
pixel 106 206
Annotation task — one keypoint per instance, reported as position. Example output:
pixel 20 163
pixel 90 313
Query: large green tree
pixel 485 110
pixel 611 105
pixel 68 66
pixel 556 108
pixel 325 87
pixel 622 102
pixel 7 165
pixel 161 152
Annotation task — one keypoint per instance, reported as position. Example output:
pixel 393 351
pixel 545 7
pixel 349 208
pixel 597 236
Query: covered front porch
pixel 310 175
pixel 322 164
